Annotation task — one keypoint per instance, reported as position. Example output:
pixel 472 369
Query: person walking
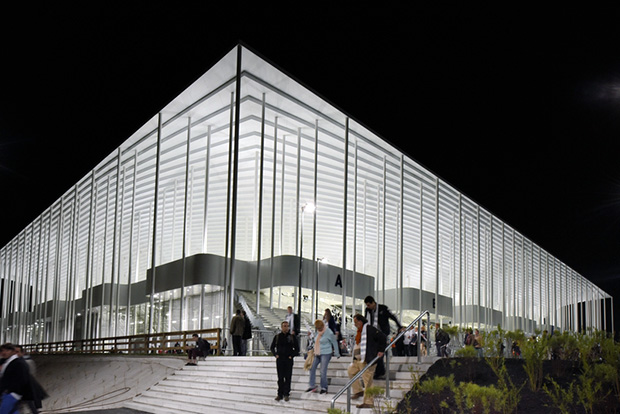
pixel 369 343
pixel 38 393
pixel 423 339
pixel 478 343
pixel 413 344
pixel 329 320
pixel 379 316
pixel 237 325
pixel 325 346
pixel 441 341
pixel 284 348
pixel 293 321
pixel 15 384
pixel 408 336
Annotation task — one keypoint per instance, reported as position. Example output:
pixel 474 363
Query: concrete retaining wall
pixel 88 382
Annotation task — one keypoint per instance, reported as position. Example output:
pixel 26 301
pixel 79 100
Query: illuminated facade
pixel 209 194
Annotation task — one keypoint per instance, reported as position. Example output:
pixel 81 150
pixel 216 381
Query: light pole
pixel 310 208
pixel 315 287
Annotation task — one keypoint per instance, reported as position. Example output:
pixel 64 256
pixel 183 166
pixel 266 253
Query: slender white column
pixel 154 225
pixel 273 208
pixel 261 178
pixel 436 249
pixel 343 322
pixel 131 242
pixel 183 318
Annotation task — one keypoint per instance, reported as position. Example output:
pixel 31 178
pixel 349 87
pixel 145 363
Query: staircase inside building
pixel 271 317
pixel 249 385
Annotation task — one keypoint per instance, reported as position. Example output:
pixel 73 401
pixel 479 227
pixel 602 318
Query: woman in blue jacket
pixel 325 345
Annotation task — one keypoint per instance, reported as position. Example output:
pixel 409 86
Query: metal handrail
pixel 357 376
pixel 155 343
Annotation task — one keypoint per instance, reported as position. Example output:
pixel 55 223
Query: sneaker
pixel 312 389
pixel 286 398
pixel 324 391
pixel 365 406
pixel 278 398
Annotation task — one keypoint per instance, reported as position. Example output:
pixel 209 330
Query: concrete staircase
pixel 249 385
pixel 272 318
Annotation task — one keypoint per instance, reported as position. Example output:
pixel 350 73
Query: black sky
pixel 517 108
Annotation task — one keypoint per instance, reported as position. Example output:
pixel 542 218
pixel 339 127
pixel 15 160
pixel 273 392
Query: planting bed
pixel 478 372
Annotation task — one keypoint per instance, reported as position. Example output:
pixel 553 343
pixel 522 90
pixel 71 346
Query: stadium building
pixel 248 187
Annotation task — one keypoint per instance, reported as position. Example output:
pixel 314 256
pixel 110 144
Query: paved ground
pixel 111 411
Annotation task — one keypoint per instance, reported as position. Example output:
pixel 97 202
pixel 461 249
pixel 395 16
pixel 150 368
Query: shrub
pixel 505 385
pixel 562 398
pixel 433 387
pixel 493 342
pixel 534 351
pixel 487 398
pixel 466 352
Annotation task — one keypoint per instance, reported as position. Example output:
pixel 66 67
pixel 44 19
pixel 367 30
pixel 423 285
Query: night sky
pixel 517 108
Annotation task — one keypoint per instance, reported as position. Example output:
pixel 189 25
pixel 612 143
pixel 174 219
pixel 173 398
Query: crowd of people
pixel 372 331
pixel 325 342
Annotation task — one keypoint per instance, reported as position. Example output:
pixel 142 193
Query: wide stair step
pixel 249 385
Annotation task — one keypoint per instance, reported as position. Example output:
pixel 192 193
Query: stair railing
pixel 265 335
pixel 357 376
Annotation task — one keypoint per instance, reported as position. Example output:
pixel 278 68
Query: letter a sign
pixel 338 281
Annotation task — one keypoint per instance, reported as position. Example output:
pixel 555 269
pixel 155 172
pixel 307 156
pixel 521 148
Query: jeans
pixel 324 360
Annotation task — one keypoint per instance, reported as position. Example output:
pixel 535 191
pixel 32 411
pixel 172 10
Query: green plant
pixel 515 336
pixel 436 385
pixel 388 406
pixel 467 351
pixel 433 387
pixel 610 355
pixel 589 390
pixel 493 342
pixel 453 331
pixel 564 346
pixel 336 411
pixel 505 384
pixel 562 398
pixel 459 398
pixel 534 351
pixel 374 392
pixel 486 398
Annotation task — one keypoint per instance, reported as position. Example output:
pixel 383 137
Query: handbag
pixel 309 360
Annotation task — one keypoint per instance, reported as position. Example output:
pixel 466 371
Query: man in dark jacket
pixel 15 382
pixel 369 343
pixel 200 350
pixel 441 341
pixel 237 325
pixel 284 348
pixel 379 316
